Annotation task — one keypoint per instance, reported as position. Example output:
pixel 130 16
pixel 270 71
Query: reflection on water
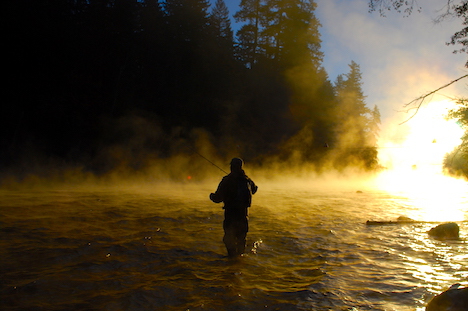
pixel 161 249
pixel 431 196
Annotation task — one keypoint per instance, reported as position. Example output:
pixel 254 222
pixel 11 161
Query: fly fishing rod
pixel 211 162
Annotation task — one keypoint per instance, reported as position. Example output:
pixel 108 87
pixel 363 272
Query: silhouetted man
pixel 235 190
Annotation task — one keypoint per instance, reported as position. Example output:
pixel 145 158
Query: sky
pixel 401 57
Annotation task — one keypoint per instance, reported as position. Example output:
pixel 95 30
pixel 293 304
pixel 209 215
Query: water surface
pixel 160 248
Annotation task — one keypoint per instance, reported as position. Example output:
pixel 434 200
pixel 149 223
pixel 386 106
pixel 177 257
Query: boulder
pixel 453 299
pixel 448 230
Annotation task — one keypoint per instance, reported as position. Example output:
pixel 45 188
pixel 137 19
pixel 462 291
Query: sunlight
pixel 414 166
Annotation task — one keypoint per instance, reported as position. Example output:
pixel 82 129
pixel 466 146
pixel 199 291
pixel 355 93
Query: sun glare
pixel 414 165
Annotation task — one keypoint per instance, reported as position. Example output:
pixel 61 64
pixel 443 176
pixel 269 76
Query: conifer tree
pixel 248 36
pixel 356 143
pixel 191 42
pixel 221 21
pixel 291 32
pixel 374 126
pixel 188 19
pixel 352 105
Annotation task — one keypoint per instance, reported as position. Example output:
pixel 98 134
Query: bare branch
pixel 446 12
pixel 401 6
pixel 420 100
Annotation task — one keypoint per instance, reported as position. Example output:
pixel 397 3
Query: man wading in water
pixel 235 190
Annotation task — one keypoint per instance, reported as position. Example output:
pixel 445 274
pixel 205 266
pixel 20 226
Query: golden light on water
pixel 414 166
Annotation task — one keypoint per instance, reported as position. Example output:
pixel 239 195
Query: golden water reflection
pixel 431 196
pixel 414 153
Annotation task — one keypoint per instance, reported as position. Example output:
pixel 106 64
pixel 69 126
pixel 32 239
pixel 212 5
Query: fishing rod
pixel 211 162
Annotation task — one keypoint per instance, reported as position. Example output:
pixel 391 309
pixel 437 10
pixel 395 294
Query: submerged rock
pixel 453 299
pixel 400 220
pixel 405 219
pixel 448 230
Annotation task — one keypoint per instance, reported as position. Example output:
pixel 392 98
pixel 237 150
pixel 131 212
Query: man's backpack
pixel 244 192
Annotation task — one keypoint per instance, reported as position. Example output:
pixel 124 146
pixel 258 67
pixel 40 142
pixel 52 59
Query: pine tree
pixel 221 21
pixel 352 106
pixel 355 132
pixel 188 19
pixel 374 126
pixel 283 30
pixel 291 32
pixel 248 36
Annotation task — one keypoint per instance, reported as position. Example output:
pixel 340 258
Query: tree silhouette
pixel 356 136
pixel 249 34
pixel 101 84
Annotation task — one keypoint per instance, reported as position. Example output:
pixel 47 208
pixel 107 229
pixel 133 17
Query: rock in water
pixel 448 230
pixel 453 299
pixel 405 219
pixel 400 220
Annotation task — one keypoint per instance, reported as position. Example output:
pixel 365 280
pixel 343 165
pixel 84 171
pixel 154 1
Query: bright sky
pixel 400 57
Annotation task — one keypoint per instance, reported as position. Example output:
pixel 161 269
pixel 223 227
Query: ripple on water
pixel 135 251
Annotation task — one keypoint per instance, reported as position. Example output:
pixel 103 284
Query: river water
pixel 160 248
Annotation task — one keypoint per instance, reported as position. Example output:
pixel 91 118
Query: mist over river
pixel 160 248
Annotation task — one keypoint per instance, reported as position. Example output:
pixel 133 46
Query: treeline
pixel 99 82
pixel 456 162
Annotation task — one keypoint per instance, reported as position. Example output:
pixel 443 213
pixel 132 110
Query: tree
pixel 400 6
pixel 456 162
pixel 190 17
pixel 223 49
pixel 455 8
pixel 418 102
pixel 191 44
pixel 283 30
pixel 355 137
pixel 374 126
pixel 352 106
pixel 138 76
pixel 249 34
pixel 460 37
pixel 313 109
pixel 221 21
pixel 291 32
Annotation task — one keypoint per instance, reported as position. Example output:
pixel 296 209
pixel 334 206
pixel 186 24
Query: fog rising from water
pixel 203 167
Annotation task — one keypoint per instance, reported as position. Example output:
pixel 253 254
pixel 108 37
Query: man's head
pixel 236 164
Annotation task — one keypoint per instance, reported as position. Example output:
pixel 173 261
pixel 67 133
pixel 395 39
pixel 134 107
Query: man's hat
pixel 237 162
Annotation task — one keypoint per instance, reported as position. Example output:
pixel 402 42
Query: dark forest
pixel 100 84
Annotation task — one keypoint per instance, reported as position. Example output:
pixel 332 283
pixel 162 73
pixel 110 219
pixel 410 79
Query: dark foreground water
pixel 160 249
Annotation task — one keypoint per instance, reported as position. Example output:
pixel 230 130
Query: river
pixel 159 247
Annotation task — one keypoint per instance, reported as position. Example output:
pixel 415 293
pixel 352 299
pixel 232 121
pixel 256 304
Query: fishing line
pixel 211 162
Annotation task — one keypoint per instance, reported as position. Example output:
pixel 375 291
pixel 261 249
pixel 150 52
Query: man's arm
pixel 253 187
pixel 218 196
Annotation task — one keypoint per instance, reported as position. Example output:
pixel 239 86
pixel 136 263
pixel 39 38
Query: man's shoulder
pixel 227 177
pixel 236 177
